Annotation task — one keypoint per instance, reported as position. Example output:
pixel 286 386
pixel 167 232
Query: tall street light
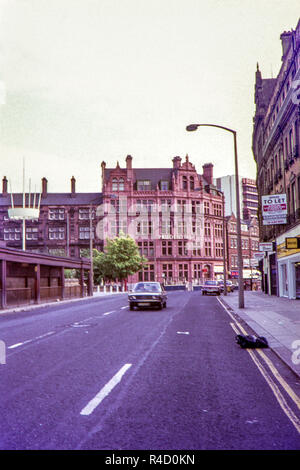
pixel 194 127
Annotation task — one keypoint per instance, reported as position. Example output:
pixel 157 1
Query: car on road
pixel 211 287
pixel 229 284
pixel 147 294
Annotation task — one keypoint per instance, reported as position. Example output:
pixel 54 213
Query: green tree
pixel 121 258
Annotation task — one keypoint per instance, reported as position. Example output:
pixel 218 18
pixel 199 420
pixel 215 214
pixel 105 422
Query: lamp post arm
pixel 193 127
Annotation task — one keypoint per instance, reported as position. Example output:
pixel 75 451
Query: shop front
pixel 288 268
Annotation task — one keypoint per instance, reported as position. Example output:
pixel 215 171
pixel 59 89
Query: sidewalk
pixel 23 308
pixel 275 318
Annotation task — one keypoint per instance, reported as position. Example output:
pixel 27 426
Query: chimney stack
pixel 44 187
pixel 103 166
pixel 73 192
pixel 208 172
pixel 176 162
pixel 129 162
pixel 4 186
pixel 286 41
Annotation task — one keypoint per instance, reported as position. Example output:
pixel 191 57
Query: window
pixel 233 242
pixel 206 207
pixel 113 229
pixel 207 248
pixel 197 271
pixel 167 272
pixel 164 185
pixel 56 233
pixel 84 213
pixel 184 183
pixel 146 248
pixel 196 249
pixel 196 227
pixel 166 248
pixel 166 205
pixel 147 273
pixel 217 209
pixel 195 207
pixel 143 185
pixel 12 233
pixel 207 229
pixel 121 184
pixel 182 248
pixel 32 233
pixel 84 233
pixel 144 228
pixel 118 184
pixel 183 272
pixel 218 230
pixel 181 228
pixel 115 184
pixel 181 206
pixel 56 214
pixel 219 249
pixel 192 183
pixel 166 227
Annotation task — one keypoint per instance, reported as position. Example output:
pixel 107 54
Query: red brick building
pixel 174 214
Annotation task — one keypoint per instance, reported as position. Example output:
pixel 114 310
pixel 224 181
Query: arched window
pixel 184 183
pixel 115 184
pixel 192 183
pixel 121 184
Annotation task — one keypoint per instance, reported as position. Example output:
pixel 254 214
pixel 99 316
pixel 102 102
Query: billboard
pixel 274 209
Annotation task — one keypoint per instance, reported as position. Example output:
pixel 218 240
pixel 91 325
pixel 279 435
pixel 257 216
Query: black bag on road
pixel 248 341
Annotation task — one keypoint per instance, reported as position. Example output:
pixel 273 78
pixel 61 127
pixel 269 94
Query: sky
pixel 86 81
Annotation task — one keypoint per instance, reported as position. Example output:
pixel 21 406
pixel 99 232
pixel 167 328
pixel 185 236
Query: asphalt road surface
pixel 92 374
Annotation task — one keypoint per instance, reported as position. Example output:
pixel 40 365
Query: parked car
pixel 229 284
pixel 211 287
pixel 147 294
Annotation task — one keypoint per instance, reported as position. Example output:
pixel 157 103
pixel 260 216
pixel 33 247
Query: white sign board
pixel 277 220
pixel 274 205
pixel 258 255
pixel 265 246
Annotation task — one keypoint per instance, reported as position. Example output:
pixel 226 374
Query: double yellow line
pixel 295 420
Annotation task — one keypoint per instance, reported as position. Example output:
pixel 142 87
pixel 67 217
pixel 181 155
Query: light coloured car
pixel 211 287
pixel 147 294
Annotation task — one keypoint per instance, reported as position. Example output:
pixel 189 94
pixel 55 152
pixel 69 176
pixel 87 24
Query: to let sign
pixel 274 205
pixel 274 209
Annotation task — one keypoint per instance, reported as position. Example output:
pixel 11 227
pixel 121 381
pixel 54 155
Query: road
pixel 92 374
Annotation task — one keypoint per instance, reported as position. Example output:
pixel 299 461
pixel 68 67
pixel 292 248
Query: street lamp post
pixel 224 247
pixel 194 127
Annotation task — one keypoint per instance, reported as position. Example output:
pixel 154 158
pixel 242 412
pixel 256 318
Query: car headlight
pixel 131 297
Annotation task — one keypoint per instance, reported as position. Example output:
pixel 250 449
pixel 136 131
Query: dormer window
pixel 164 185
pixel 118 184
pixel 143 185
pixel 184 183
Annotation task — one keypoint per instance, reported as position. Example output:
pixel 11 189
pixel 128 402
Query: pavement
pixel 275 318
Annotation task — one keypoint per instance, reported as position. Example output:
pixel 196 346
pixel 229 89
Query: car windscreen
pixel 211 283
pixel 144 287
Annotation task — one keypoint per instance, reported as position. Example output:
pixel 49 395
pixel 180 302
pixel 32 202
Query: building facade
pixel 248 195
pixel 250 245
pixel 174 214
pixel 63 227
pixel 276 140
